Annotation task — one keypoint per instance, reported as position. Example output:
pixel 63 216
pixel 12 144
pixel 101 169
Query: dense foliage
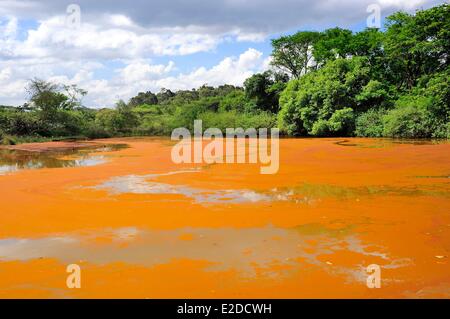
pixel 372 83
pixel 391 83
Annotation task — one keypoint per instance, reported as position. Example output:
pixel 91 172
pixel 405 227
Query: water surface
pixel 15 160
pixel 140 226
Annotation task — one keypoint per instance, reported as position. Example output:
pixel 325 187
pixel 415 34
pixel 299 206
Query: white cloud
pixel 402 4
pixel 119 20
pixel 139 76
pixel 231 70
pixel 141 71
pixel 52 38
pixel 135 76
pixel 218 16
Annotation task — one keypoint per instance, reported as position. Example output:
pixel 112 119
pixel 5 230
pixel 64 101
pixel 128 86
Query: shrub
pixel 95 131
pixel 320 128
pixel 8 140
pixel 407 122
pixel 342 122
pixel 370 124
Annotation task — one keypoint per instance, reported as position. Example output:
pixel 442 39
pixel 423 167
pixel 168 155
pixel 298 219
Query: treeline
pixel 55 111
pixel 391 83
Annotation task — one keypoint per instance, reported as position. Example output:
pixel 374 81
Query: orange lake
pixel 140 226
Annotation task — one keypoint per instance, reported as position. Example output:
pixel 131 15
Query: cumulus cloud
pixel 54 38
pixel 138 75
pixel 231 70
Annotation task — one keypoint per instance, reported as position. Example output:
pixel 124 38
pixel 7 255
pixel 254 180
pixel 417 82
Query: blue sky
pixel 114 49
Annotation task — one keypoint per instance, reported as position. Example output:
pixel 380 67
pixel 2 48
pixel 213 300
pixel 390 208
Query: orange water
pixel 140 226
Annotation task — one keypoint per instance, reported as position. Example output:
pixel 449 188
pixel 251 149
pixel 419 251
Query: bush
pixel 22 123
pixel 8 140
pixel 407 122
pixel 224 120
pixel 234 101
pixel 156 125
pixel 95 131
pixel 258 120
pixel 321 128
pixel 342 122
pixel 370 124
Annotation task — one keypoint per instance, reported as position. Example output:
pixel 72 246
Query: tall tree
pixel 264 89
pixel 369 43
pixel 49 97
pixel 293 54
pixel 417 45
pixel 333 44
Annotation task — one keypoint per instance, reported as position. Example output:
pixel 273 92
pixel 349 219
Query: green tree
pixel 333 44
pixel 318 95
pixel 143 98
pixel 293 54
pixel 369 43
pixel 370 123
pixel 49 97
pixel 164 96
pixel 264 89
pixel 235 101
pixel 341 123
pixel 53 104
pixel 417 45
pixel 45 97
pixel 409 121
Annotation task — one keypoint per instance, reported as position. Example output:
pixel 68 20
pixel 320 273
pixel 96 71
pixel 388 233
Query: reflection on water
pixel 348 143
pixel 434 177
pixel 242 250
pixel 317 191
pixel 382 143
pixel 317 229
pixel 302 194
pixel 145 184
pixel 15 160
